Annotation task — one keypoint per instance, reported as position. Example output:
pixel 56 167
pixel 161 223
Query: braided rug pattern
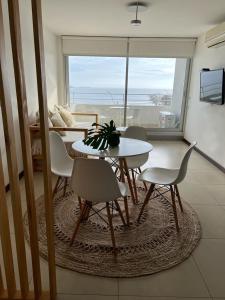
pixel 144 248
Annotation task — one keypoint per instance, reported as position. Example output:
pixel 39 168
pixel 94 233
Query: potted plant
pixel 105 135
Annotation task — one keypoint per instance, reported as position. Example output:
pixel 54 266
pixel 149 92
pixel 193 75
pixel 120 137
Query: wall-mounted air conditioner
pixel 215 37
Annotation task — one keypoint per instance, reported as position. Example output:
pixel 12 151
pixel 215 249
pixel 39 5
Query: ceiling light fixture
pixel 136 21
pixel 137 6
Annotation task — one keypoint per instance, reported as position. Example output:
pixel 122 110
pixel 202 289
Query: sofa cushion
pixel 68 139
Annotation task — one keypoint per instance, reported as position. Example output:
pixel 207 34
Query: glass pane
pixel 96 85
pixel 155 92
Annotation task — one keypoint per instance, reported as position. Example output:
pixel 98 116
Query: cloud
pixel 109 72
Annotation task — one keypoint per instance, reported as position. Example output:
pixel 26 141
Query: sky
pixel 109 72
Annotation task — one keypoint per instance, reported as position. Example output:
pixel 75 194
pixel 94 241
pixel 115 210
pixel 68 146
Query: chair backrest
pixel 136 132
pixel 94 180
pixel 183 167
pixel 60 159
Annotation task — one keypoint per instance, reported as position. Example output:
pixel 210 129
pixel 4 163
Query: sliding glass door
pixel 155 92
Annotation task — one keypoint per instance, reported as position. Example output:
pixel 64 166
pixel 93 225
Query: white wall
pixel 178 86
pixel 51 54
pixel 205 122
pixel 51 66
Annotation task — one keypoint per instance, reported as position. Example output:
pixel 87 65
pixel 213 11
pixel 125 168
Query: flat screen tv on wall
pixel 212 86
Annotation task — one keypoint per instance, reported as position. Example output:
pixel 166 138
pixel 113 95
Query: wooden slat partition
pixel 15 30
pixel 1 281
pixel 5 238
pixel 10 291
pixel 12 163
pixel 43 112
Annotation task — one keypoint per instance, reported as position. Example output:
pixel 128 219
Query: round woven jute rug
pixel 147 247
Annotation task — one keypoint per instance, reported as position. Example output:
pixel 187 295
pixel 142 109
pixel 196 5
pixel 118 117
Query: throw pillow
pixel 57 121
pixel 50 122
pixel 66 116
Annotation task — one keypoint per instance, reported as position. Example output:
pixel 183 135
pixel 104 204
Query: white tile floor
pixel 202 276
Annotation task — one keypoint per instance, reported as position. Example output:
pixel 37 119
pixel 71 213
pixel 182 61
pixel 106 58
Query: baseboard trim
pixel 7 187
pixel 212 161
pixel 164 137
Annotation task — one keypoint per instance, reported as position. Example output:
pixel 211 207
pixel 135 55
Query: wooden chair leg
pixel 56 186
pixel 134 185
pixel 178 197
pixel 128 179
pixel 87 212
pixel 144 183
pixel 65 186
pixel 120 212
pixel 151 189
pixel 78 222
pixel 111 229
pixel 174 207
pixel 116 170
pixel 80 202
pixel 126 210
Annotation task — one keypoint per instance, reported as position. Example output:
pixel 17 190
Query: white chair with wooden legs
pixel 135 163
pixel 61 162
pixel 168 178
pixel 95 182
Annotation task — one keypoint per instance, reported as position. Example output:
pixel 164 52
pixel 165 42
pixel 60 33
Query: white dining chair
pixel 95 182
pixel 61 162
pixel 167 178
pixel 134 163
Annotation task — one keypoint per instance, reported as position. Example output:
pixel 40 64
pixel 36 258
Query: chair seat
pixel 135 162
pixel 159 175
pixel 64 170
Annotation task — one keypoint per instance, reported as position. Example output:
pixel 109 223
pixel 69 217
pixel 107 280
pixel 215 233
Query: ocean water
pixel 116 96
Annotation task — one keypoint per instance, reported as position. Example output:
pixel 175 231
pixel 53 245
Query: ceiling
pixel 163 18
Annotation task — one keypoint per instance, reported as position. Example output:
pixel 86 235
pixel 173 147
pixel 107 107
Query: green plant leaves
pixel 98 138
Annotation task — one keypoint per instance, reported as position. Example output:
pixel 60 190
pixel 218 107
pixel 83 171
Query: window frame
pixel 167 131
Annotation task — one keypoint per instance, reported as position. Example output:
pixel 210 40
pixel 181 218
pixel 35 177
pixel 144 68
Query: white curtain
pixel 161 47
pixel 94 46
pixel 138 47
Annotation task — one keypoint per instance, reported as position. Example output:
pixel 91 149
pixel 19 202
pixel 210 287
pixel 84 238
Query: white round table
pixel 127 147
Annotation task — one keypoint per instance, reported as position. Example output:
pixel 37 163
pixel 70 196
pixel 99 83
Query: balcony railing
pixel 109 98
pixel 142 109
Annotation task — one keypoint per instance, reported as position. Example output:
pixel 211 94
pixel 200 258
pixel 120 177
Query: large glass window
pixel 155 92
pixel 155 89
pixel 97 84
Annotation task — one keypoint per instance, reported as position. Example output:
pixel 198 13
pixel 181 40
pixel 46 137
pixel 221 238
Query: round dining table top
pixel 127 147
